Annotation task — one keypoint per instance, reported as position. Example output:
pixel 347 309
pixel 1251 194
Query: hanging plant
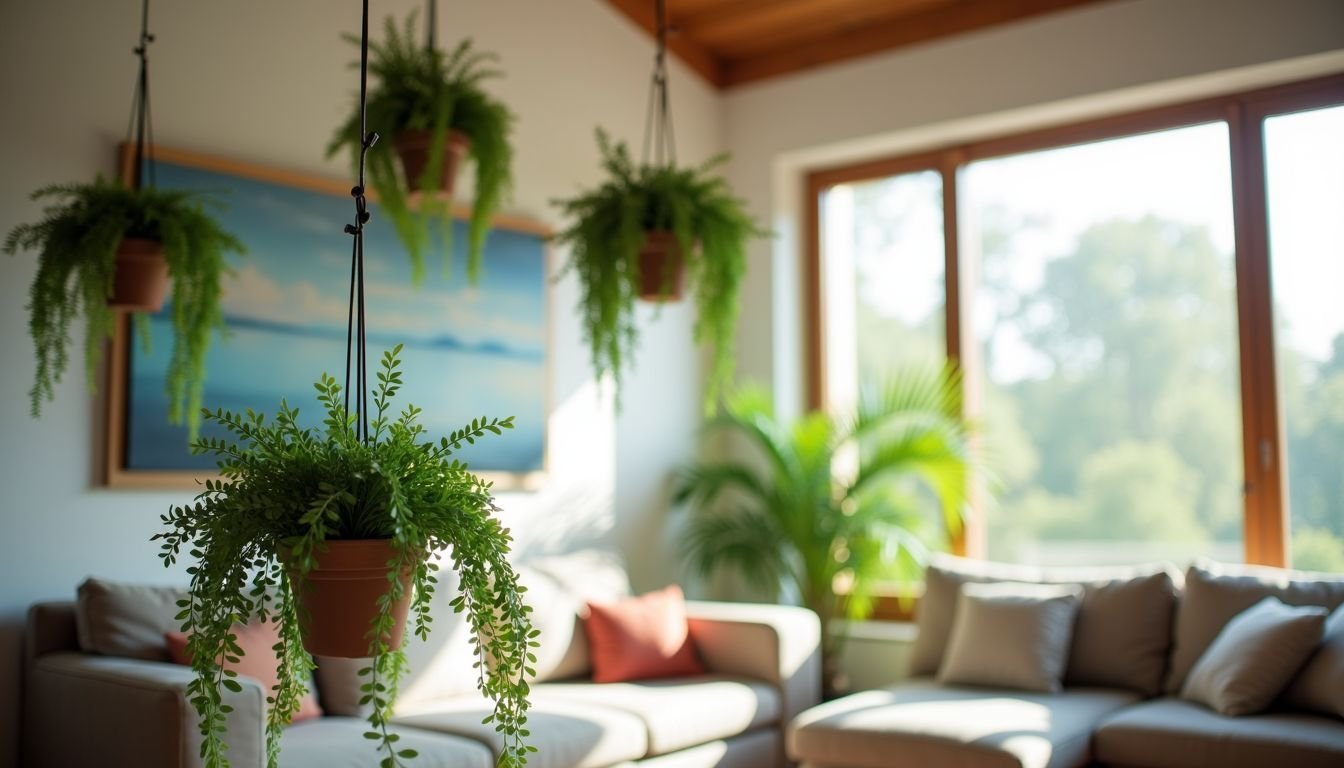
pixel 92 243
pixel 104 248
pixel 431 106
pixel 294 508
pixel 621 229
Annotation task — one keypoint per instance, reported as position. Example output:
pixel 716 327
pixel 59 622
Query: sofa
pixel 99 689
pixel 1124 677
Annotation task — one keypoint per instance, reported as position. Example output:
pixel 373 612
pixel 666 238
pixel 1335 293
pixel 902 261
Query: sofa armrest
pixel 779 644
pixel 107 711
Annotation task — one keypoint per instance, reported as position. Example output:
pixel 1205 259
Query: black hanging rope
pixel 431 23
pixel 140 128
pixel 356 341
pixel 658 123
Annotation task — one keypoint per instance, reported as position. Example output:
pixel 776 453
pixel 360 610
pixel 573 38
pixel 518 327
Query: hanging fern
pixel 711 227
pixel 78 239
pixel 424 89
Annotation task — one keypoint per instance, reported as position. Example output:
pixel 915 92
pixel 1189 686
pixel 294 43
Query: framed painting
pixel 469 350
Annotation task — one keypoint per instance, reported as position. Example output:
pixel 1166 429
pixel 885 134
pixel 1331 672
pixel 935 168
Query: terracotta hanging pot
pixel 338 600
pixel 414 146
pixel 140 283
pixel 660 261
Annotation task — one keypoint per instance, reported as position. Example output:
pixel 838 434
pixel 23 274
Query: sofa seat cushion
pixel 921 723
pixel 1169 733
pixel 567 734
pixel 680 712
pixel 338 742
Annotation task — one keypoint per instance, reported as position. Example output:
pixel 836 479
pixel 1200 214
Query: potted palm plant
pixel 633 236
pixel 827 501
pixel 430 104
pixel 296 507
pixel 104 248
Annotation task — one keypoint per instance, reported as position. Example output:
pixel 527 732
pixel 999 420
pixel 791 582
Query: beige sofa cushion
pixel 682 712
pixel 1121 636
pixel 922 723
pixel 1319 687
pixel 128 620
pixel 1255 657
pixel 338 742
pixel 566 733
pixel 559 587
pixel 1215 592
pixel 1011 635
pixel 1169 733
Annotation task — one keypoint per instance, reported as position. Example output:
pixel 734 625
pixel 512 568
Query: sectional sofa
pixel 99 689
pixel 1136 636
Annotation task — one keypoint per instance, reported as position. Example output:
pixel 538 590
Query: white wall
pixel 267 82
pixel 1099 59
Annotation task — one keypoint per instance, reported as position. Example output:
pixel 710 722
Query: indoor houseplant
pixel 290 499
pixel 831 501
pixel 430 106
pixel 687 215
pixel 91 240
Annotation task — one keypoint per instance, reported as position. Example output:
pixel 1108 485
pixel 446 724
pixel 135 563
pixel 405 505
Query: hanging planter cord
pixel 356 343
pixel 431 23
pixel 658 122
pixel 140 127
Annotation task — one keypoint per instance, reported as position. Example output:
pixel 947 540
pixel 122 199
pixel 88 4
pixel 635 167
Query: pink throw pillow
pixel 641 637
pixel 258 661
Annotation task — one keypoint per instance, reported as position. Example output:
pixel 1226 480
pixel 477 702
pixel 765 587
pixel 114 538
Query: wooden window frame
pixel 1265 519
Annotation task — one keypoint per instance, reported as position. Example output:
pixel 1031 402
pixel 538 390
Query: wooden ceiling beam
pixel 757 24
pixel 917 27
pixel 689 51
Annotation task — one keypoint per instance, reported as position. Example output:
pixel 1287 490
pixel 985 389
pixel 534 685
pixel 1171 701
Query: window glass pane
pixel 1304 159
pixel 882 252
pixel 1105 316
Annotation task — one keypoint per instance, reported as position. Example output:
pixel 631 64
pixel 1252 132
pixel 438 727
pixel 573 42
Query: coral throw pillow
pixel 257 662
pixel 641 637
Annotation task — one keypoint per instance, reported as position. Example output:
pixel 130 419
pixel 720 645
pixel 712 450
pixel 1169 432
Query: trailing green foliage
pixel 284 492
pixel 78 239
pixel 610 222
pixel 826 501
pixel 422 89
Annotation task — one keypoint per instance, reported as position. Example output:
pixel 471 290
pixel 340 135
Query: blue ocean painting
pixel 470 351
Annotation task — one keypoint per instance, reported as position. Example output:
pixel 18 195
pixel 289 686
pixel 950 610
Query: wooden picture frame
pixel 498 333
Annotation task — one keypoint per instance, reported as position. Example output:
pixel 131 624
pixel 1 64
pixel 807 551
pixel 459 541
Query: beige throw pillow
pixel 1255 656
pixel 127 620
pixel 1122 635
pixel 1011 635
pixel 1320 685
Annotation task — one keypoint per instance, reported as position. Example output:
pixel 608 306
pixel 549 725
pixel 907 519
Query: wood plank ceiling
pixel 731 42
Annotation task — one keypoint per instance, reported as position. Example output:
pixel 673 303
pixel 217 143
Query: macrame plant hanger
pixel 141 130
pixel 659 143
pixel 356 342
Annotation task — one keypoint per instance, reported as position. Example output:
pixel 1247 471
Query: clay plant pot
pixel 140 283
pixel 414 146
pixel 338 599
pixel 660 262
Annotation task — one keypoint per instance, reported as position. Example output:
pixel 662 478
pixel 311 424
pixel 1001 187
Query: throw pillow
pixel 1121 637
pixel 127 620
pixel 1011 635
pixel 1255 656
pixel 258 661
pixel 1216 592
pixel 1320 685
pixel 641 637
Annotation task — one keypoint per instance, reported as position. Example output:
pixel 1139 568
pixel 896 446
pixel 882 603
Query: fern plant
pixel 77 242
pixel 423 89
pixel 609 228
pixel 286 492
pixel 854 500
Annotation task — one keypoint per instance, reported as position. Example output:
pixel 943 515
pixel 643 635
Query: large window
pixel 1149 312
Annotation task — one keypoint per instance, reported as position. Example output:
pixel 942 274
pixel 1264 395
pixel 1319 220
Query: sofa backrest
pixel 1214 593
pixel 1121 636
